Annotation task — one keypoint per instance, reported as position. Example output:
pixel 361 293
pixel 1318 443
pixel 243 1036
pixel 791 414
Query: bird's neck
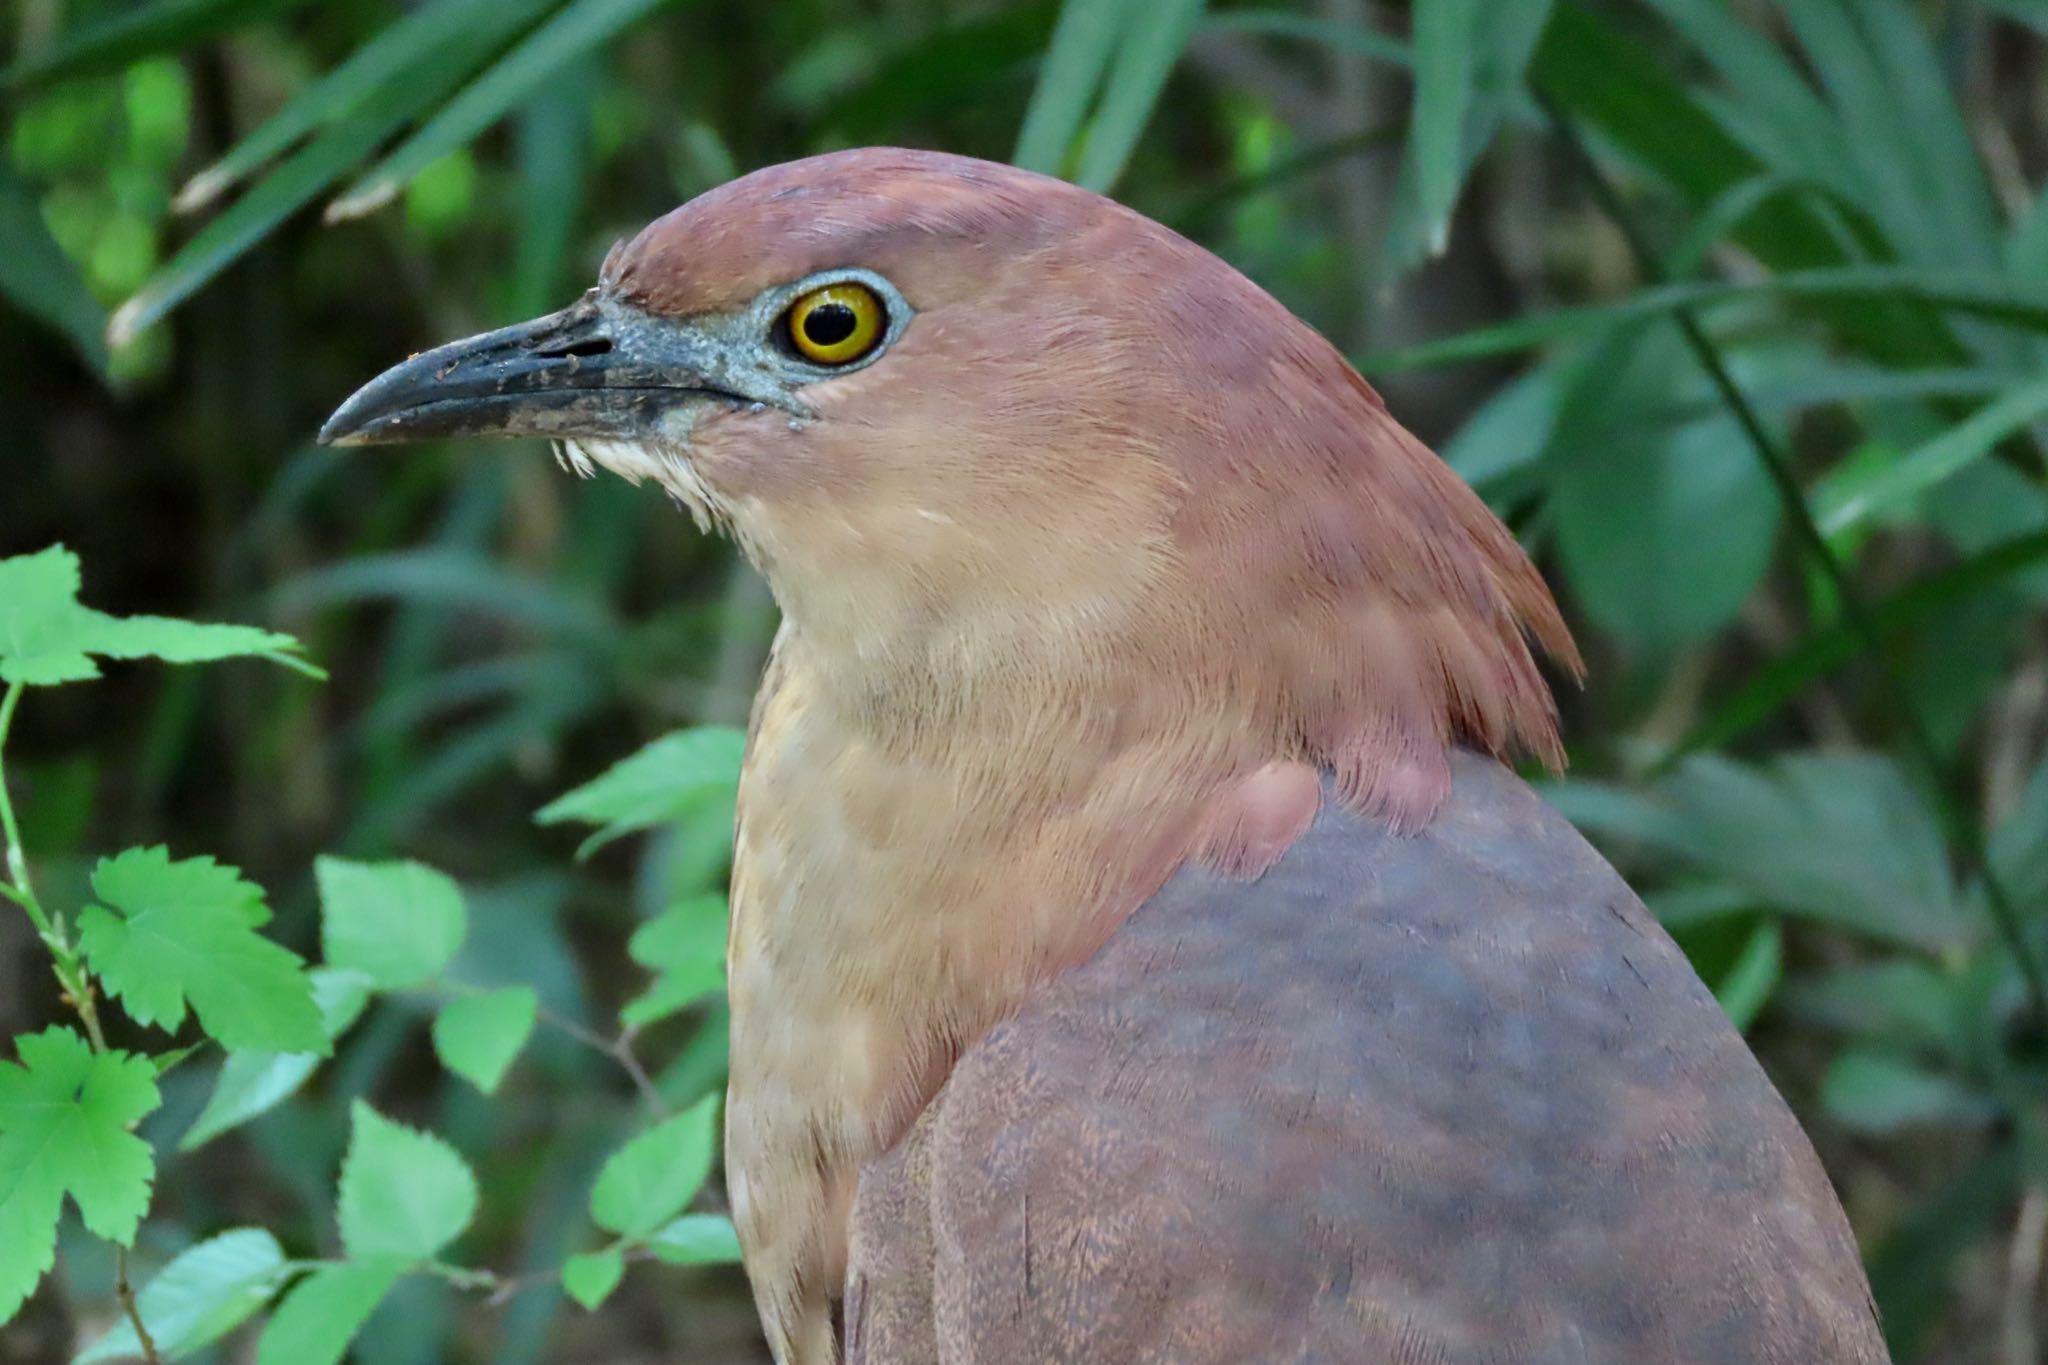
pixel 918 852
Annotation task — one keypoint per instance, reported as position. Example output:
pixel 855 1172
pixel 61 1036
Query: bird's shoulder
pixel 1451 1097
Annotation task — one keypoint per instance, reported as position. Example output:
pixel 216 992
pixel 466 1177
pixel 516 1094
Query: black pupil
pixel 829 324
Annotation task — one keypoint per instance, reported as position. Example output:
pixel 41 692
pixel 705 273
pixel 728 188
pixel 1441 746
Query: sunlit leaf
pixel 66 1121
pixel 323 1313
pixel 47 637
pixel 397 923
pixel 670 779
pixel 685 948
pixel 477 1036
pixel 184 931
pixel 404 1194
pixel 591 1277
pixel 697 1239
pixel 648 1182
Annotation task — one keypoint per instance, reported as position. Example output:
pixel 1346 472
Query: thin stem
pixel 619 1049
pixel 125 1292
pixel 23 892
pixel 1963 822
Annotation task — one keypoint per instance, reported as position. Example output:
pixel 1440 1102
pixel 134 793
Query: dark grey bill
pixel 592 370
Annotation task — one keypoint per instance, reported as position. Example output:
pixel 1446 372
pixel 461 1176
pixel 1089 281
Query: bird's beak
pixel 595 369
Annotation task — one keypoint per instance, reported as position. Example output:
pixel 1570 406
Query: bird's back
pixel 1451 1098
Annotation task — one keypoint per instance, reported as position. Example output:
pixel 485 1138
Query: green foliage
pixel 477 1036
pixel 204 1293
pixel 405 1195
pixel 66 1113
pixel 47 637
pixel 186 931
pixel 1842 199
pixel 649 1180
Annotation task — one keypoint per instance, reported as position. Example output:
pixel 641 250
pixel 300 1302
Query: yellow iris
pixel 837 324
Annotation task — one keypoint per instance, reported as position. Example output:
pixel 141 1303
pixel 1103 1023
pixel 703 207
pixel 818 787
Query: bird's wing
pixel 1448 1098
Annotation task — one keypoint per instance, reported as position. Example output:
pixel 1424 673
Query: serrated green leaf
pixel 47 637
pixel 697 1239
pixel 685 948
pixel 576 29
pixel 404 1194
pixel 38 278
pixel 477 1036
pixel 398 923
pixel 664 782
pixel 65 1121
pixel 251 1083
pixel 185 932
pixel 321 1316
pixel 205 1292
pixel 650 1180
pixel 591 1277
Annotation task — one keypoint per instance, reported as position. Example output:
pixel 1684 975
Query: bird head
pixel 985 431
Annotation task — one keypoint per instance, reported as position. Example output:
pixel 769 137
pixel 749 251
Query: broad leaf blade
pixel 648 1182
pixel 477 1036
pixel 322 1314
pixel 397 923
pixel 404 1194
pixel 205 1292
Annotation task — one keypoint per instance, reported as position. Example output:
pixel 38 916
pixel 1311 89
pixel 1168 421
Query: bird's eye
pixel 836 325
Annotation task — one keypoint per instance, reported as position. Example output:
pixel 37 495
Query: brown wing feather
pixel 1448 1098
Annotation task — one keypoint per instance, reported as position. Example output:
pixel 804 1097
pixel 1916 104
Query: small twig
pixel 1964 825
pixel 619 1049
pixel 125 1292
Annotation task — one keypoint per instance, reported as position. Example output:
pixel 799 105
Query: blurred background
pixel 1737 310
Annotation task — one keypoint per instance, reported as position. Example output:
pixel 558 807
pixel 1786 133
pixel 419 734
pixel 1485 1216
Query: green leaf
pixel 1783 677
pixel 1883 1092
pixel 1082 41
pixel 340 146
pixel 1152 44
pixel 404 1194
pixel 1445 34
pixel 186 932
pixel 1624 510
pixel 251 1083
pixel 323 1313
pixel 1755 974
pixel 37 277
pixel 47 637
pixel 398 923
pixel 576 29
pixel 65 1121
pixel 685 947
pixel 697 1239
pixel 1974 294
pixel 1929 463
pixel 137 31
pixel 477 1036
pixel 205 1292
pixel 591 1277
pixel 666 781
pixel 648 1182
pixel 363 75
pixel 1841 838
pixel 1351 40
